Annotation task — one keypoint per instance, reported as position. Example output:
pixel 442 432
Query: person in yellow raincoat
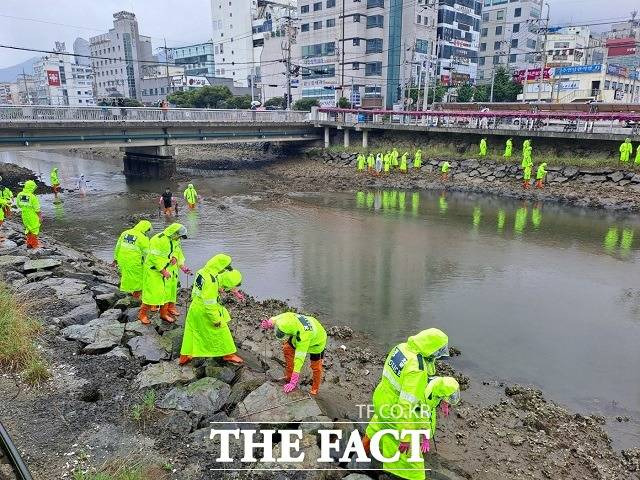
pixel 370 162
pixel 444 170
pixel 440 392
pixel 387 162
pixel 7 195
pixel 483 147
pixel 131 248
pixel 55 181
pixel 360 162
pixel 508 149
pixel 403 162
pixel 394 158
pixel 160 273
pixel 206 328
pixel 626 148
pixel 29 204
pixel 302 334
pixel 417 159
pixel 541 173
pixel 191 196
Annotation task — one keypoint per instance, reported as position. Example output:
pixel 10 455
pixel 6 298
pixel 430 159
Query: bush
pixel 275 102
pixel 18 334
pixel 305 104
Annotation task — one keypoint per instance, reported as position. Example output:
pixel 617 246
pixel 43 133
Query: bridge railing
pixel 44 114
pixel 610 122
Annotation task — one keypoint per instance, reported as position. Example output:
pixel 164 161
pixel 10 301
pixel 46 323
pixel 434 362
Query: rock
pixel 206 396
pixel 38 276
pixel 570 172
pixel 178 423
pixel 259 405
pixel 106 338
pixel 148 347
pixel 106 301
pixel 635 179
pixel 105 288
pixel 560 179
pixel 40 264
pixel 616 176
pixel 7 246
pixel 113 315
pixel 118 352
pixel 309 445
pixel 357 476
pixel 593 178
pixel 164 373
pixel 225 373
pixel 137 327
pixel 12 260
pixel 79 315
pixel 172 341
pixel 340 332
pixel 517 440
pixel 622 183
pixel 15 279
pixel 127 303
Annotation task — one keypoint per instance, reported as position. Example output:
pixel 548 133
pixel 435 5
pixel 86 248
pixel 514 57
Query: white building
pixel 568 47
pixel 9 94
pixel 60 81
pixel 119 57
pixel 508 36
pixel 240 28
pixel 82 51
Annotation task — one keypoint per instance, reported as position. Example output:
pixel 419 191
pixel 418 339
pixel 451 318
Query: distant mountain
pixel 9 74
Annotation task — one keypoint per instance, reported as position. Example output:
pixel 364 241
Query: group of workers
pixel 168 204
pixel 388 161
pixel 29 205
pixel 626 149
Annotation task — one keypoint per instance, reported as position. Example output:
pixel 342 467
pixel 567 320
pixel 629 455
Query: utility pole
pixel 435 79
pixel 289 62
pixel 26 88
pixel 544 53
pixel 493 82
pixel 342 51
pixel 425 95
pixel 166 65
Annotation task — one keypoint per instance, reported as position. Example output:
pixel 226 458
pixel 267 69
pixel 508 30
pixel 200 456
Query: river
pixel 532 293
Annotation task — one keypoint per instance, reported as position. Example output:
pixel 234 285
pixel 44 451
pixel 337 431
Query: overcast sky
pixel 184 21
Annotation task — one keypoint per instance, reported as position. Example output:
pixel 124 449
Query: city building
pixel 196 59
pixel 568 47
pixel 459 40
pixel 508 36
pixel 26 89
pixel 240 28
pixel 82 51
pixel 386 47
pixel 60 81
pixel 118 56
pixel 9 94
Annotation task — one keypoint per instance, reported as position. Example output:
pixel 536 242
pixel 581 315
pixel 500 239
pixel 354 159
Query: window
pixel 512 58
pixel 422 46
pixel 356 42
pixel 374 21
pixel 514 43
pixel 355 66
pixel 516 27
pixel 419 19
pixel 496 59
pixel 485 17
pixel 373 69
pixel 79 92
pixel 531 43
pixel 331 3
pixel 374 45
pixel 484 32
pixel 607 84
pixel 318 50
pixel 375 3
pixel 500 15
pixel 304 9
pixel 317 25
pixel 481 61
pixel 317 6
pixel 356 18
pixel 483 47
pixel 499 30
pixel 319 71
pixel 303 28
pixel 331 22
pixel 517 12
pixel 496 45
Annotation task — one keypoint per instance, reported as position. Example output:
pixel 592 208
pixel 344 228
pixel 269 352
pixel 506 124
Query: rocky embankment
pixel 118 397
pixel 14 176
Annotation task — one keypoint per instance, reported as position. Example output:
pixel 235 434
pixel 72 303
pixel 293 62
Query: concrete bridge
pixel 148 136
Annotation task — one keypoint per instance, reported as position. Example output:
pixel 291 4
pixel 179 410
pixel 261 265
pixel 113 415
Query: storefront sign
pixel 578 70
pixel 532 74
pixel 618 71
pixel 53 78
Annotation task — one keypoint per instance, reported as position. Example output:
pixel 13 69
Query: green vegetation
pixel 418 94
pixel 210 96
pixel 343 102
pixel 141 412
pixel 19 352
pixel 305 104
pixel 275 102
pixel 125 469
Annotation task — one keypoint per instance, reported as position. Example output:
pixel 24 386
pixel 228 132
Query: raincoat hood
pixel 143 226
pixel 218 263
pixel 544 165
pixel 442 387
pixel 190 185
pixel 30 186
pixel 428 341
pixel 175 228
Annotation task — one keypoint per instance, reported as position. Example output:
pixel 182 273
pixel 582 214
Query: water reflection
pixel 610 242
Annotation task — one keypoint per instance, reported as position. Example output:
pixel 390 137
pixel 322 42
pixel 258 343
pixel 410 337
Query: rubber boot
pixel 184 359
pixel 316 371
pixel 142 314
pixel 366 444
pixel 233 358
pixel 165 315
pixel 289 354
pixel 32 241
pixel 173 311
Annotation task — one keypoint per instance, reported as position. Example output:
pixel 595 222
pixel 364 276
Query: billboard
pixel 578 69
pixel 617 70
pixel 53 78
pixel 532 74
pixel 618 47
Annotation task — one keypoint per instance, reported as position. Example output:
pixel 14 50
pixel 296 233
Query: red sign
pixel 532 74
pixel 618 47
pixel 53 76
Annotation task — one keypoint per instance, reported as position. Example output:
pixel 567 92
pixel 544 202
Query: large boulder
pixel 100 334
pixel 40 264
pixel 12 260
pixel 79 315
pixel 148 347
pixel 205 397
pixel 268 403
pixel 164 373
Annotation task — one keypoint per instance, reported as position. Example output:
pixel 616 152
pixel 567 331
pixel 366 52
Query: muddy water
pixel 533 293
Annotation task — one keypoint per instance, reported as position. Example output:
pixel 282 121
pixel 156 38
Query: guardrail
pixel 18 466
pixel 613 122
pixel 43 114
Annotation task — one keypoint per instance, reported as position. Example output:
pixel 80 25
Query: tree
pixel 504 88
pixel 241 103
pixel 482 93
pixel 305 104
pixel 275 102
pixel 418 95
pixel 465 93
pixel 344 102
pixel 210 96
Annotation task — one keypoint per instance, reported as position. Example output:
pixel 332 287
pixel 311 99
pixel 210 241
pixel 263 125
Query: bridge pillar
pixel 346 138
pixel 365 139
pixel 327 137
pixel 150 162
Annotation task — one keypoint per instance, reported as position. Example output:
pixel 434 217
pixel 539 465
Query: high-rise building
pixel 82 51
pixel 458 40
pixel 60 81
pixel 239 31
pixel 118 56
pixel 508 36
pixel 196 59
pixel 9 94
pixel 368 51
pixel 568 47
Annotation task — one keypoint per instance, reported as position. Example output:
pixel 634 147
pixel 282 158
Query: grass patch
pixel 125 469
pixel 141 412
pixel 19 331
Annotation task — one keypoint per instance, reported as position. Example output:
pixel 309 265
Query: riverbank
pixel 118 401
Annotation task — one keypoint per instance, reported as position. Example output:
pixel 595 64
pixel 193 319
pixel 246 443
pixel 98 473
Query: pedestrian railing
pixel 44 114
pixel 562 121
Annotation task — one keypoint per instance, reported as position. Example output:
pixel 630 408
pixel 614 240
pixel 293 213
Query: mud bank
pixel 118 396
pixel 14 176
